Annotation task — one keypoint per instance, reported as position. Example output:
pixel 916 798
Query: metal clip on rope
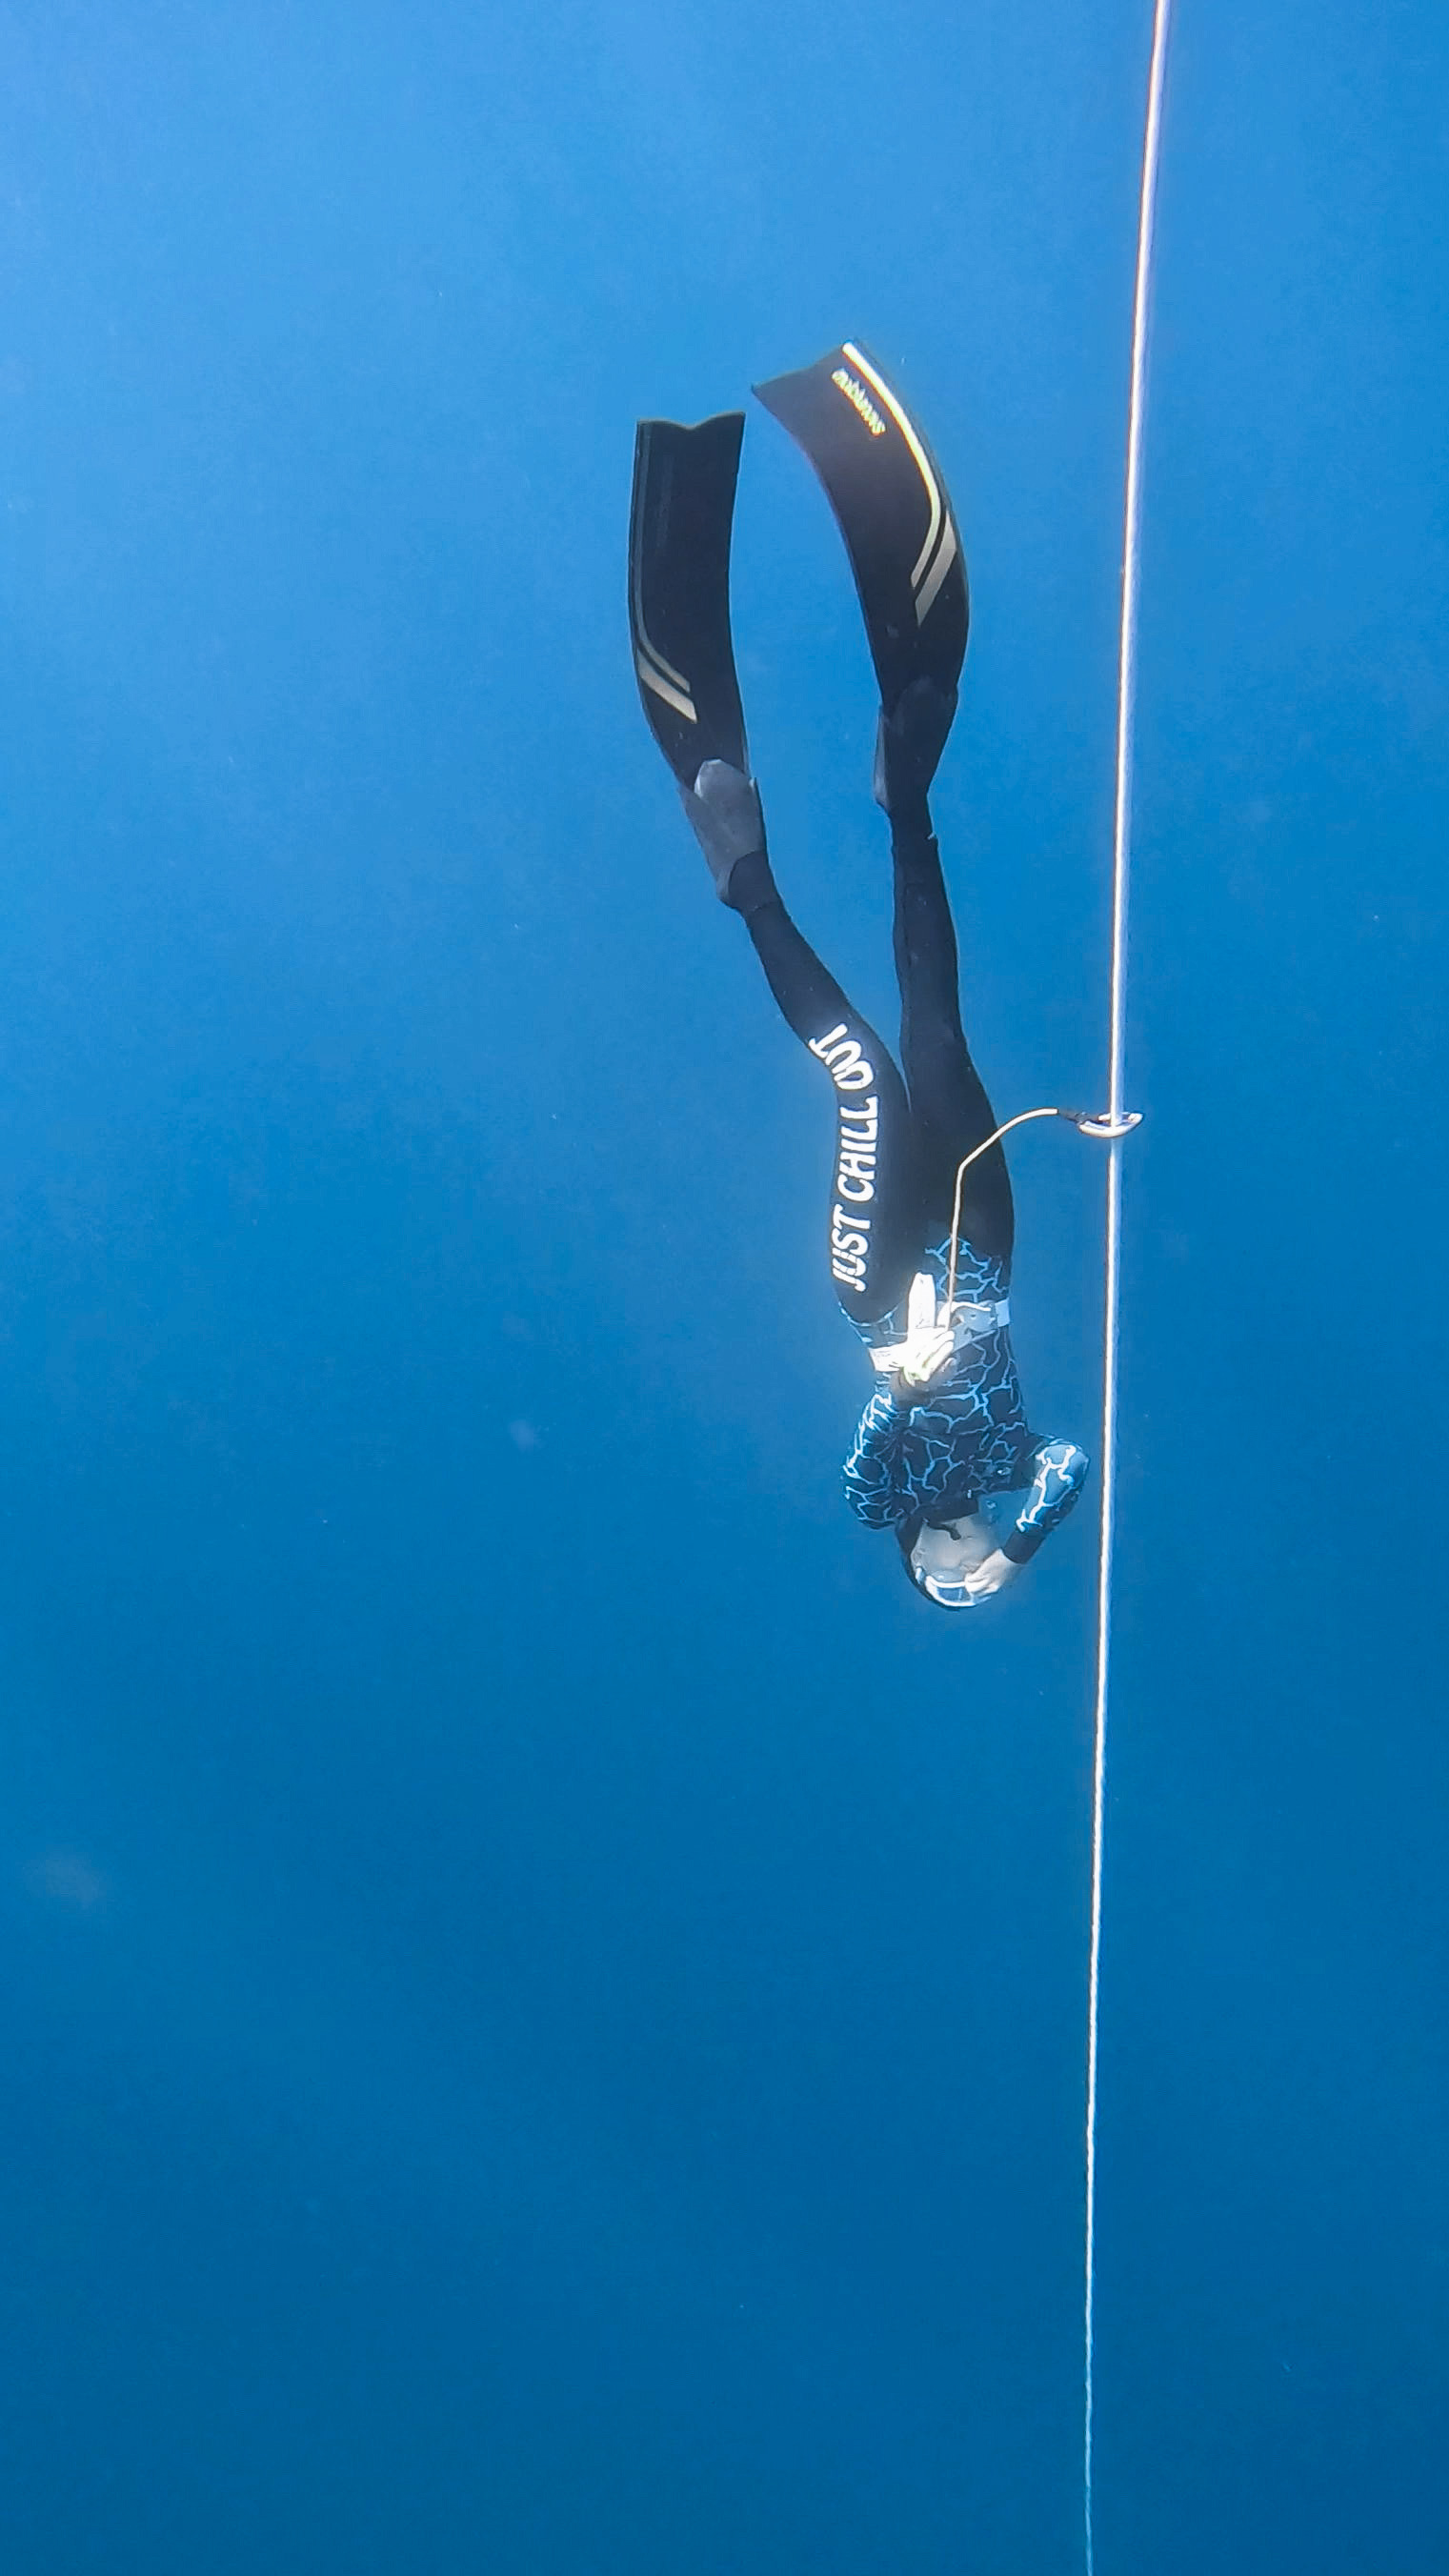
pixel 1101 1123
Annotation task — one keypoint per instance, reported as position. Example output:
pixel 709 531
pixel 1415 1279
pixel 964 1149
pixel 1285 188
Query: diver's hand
pixel 919 1379
pixel 993 1574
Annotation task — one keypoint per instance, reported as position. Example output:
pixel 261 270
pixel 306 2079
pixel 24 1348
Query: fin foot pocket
pixel 908 747
pixel 726 818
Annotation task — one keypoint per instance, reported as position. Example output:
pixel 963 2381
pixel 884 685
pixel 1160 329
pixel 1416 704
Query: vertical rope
pixel 1111 1331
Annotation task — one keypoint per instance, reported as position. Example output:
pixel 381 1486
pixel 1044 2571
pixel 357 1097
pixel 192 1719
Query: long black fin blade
pixel 890 500
pixel 679 590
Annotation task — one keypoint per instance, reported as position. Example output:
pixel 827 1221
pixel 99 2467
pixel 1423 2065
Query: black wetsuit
pixel 899 1146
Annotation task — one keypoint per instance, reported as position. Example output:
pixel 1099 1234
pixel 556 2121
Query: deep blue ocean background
pixel 543 2006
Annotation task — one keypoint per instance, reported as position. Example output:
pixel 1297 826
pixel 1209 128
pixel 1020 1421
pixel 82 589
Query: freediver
pixel 946 1427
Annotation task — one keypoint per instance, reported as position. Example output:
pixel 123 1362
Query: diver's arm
pixel 872 1470
pixel 1059 1471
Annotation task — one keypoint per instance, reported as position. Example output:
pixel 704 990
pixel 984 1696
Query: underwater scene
pixel 724 1797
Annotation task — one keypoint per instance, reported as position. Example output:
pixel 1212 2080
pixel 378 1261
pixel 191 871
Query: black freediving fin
pixel 894 513
pixel 679 594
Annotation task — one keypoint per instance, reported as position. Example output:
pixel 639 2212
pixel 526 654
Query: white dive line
pixel 1121 861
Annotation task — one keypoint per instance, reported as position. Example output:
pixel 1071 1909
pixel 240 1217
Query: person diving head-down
pixel 944 1434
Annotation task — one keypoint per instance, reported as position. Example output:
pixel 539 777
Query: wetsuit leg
pixel 950 1110
pixel 874 1239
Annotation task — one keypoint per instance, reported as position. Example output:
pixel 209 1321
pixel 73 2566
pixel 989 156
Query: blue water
pixel 543 1999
